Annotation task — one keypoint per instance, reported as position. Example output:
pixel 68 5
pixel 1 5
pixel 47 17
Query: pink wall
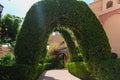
pixel 110 19
pixel 103 17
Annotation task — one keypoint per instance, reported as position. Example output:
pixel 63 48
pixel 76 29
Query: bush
pixel 110 70
pixel 48 66
pixel 80 70
pixel 73 56
pixel 39 70
pixel 80 57
pixel 7 59
pixel 50 59
pixel 20 72
pixel 114 55
pixel 54 62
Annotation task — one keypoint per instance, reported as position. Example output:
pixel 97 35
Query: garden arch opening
pixel 45 16
pixel 59 46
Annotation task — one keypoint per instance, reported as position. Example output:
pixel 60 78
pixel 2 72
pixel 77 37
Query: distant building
pixel 57 39
pixel 108 12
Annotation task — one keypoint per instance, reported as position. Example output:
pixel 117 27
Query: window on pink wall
pixel 109 4
pixel 118 1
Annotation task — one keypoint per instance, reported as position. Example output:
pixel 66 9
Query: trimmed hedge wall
pixel 46 15
pixel 80 70
pixel 19 72
pixel 109 70
pixel 73 56
pixel 53 62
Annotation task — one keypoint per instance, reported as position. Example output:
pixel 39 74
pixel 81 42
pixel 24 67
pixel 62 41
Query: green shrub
pixel 80 57
pixel 19 72
pixel 50 59
pixel 114 55
pixel 39 70
pixel 54 62
pixel 73 56
pixel 60 62
pixel 11 72
pixel 109 70
pixel 48 66
pixel 7 59
pixel 80 70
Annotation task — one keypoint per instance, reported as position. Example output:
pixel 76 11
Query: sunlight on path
pixel 61 74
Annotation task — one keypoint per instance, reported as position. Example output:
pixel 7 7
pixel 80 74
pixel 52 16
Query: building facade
pixel 108 12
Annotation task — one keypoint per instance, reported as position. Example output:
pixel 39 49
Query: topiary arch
pixel 47 15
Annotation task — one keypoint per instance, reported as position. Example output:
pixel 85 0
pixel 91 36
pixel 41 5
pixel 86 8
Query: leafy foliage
pixel 70 43
pixel 7 60
pixel 54 62
pixel 80 70
pixel 9 25
pixel 108 70
pixel 52 48
pixel 19 72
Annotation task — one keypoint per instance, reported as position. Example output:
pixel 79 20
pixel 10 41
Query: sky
pixel 20 7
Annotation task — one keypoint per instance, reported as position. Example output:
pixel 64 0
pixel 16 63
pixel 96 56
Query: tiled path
pixel 61 74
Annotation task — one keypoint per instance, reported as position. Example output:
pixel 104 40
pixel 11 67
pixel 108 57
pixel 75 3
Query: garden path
pixel 58 74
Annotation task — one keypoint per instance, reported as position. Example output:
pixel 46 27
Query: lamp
pixel 1 9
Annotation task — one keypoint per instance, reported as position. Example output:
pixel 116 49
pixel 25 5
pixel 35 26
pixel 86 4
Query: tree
pixel 10 25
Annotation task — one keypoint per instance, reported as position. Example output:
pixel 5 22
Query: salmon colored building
pixel 108 12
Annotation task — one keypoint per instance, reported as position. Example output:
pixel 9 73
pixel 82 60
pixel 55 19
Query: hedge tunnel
pixel 47 15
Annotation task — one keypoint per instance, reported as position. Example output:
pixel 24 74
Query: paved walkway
pixel 61 74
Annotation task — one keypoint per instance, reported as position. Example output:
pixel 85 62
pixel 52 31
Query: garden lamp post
pixel 1 9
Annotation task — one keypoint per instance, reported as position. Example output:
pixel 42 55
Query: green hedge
pixel 39 70
pixel 53 62
pixel 7 60
pixel 114 55
pixel 73 51
pixel 109 70
pixel 19 72
pixel 80 70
